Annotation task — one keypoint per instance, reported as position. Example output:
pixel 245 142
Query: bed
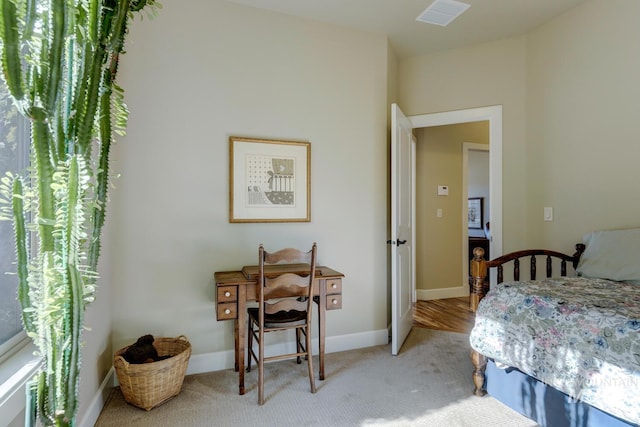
pixel 563 350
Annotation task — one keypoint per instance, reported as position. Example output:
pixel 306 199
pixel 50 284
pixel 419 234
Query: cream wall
pixel 570 92
pixel 583 104
pixel 196 75
pixel 439 241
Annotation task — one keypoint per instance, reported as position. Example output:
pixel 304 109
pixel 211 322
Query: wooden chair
pixel 285 303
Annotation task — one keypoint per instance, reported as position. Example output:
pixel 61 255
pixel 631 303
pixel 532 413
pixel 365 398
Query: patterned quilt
pixel 579 335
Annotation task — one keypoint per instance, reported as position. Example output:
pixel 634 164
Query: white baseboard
pixel 217 361
pixel 441 293
pixel 99 399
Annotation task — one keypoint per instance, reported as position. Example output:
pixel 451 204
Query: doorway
pixel 439 152
pixel 493 115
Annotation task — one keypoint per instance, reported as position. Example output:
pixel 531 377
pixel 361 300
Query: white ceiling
pixel 484 21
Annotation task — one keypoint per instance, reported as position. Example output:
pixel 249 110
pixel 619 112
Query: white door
pixel 402 278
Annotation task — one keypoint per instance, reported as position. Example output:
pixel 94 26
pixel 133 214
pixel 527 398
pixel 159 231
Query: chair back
pixel 289 290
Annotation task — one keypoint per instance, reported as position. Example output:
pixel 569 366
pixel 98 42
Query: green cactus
pixel 59 60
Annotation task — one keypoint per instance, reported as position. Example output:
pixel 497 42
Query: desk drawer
pixel 227 294
pixel 334 286
pixel 227 311
pixel 334 302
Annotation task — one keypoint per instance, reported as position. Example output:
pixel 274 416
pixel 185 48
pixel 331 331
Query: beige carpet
pixel 428 384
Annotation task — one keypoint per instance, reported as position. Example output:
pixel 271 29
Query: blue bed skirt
pixel 543 404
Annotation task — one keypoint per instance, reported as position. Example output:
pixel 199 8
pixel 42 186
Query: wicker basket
pixel 147 385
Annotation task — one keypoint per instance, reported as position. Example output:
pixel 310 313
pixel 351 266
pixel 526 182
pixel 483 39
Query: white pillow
pixel 612 254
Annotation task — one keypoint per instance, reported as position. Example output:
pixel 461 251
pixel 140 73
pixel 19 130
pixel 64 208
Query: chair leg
pixel 250 346
pixel 312 381
pixel 298 346
pixel 261 367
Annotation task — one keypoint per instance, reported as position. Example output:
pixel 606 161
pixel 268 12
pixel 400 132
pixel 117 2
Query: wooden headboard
pixel 480 267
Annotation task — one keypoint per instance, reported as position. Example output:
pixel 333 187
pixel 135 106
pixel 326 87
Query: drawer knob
pixel 227 294
pixel 227 311
pixel 334 286
pixel 334 301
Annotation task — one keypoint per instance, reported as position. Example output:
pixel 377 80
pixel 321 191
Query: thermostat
pixel 443 190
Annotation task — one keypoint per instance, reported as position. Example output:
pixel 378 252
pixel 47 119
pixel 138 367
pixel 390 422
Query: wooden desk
pixel 235 288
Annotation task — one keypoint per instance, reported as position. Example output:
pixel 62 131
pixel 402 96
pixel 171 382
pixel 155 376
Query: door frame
pixel 492 114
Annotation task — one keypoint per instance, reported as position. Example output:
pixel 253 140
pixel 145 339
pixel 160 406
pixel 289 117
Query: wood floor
pixel 451 314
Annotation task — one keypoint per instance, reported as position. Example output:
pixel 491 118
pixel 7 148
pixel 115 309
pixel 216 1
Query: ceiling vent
pixel 442 12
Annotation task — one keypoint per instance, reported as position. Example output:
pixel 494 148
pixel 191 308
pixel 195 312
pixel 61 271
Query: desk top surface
pixel 249 273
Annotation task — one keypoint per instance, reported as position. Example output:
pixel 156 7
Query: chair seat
pixel 281 319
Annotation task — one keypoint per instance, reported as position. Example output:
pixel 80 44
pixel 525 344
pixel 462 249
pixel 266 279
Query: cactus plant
pixel 59 60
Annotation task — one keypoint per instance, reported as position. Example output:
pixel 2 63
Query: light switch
pixel 443 190
pixel 548 213
pixel 439 213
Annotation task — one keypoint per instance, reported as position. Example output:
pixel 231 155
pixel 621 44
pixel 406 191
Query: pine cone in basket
pixel 142 351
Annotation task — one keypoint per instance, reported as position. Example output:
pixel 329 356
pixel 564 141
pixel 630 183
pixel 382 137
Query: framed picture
pixel 269 180
pixel 475 212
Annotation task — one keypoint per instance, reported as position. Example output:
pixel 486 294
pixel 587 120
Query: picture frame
pixel 269 180
pixel 475 212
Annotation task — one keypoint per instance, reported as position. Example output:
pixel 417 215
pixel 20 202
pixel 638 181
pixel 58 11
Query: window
pixel 14 157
